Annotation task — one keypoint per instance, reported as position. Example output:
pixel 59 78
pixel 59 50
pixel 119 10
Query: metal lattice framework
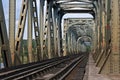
pixel 45 23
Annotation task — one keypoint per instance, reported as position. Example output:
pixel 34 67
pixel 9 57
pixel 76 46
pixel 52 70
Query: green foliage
pixel 88 48
pixel 25 46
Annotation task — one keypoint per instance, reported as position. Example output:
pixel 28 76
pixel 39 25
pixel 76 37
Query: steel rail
pixel 29 70
pixel 41 69
pixel 66 70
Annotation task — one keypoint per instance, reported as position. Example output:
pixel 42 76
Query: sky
pixel 18 7
pixel 6 11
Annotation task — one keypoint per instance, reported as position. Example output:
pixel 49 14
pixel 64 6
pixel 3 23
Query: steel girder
pixel 80 26
pixel 69 4
pixel 42 20
pixel 86 1
pixel 12 18
pixel 30 58
pixel 19 36
pixel 4 42
pixel 76 5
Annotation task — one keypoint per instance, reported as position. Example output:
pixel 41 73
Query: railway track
pixel 52 69
pixel 77 72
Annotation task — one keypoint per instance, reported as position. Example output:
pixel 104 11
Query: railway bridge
pixel 38 43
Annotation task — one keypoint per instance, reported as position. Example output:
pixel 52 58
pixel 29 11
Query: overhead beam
pixel 77 11
pixel 66 6
pixel 63 1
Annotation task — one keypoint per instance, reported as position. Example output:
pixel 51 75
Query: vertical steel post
pixel 12 20
pixel 5 49
pixel 71 43
pixel 65 36
pixel 100 25
pixel 50 27
pixel 0 52
pixel 42 26
pixel 112 65
pixel 103 31
pixel 54 11
pixel 1 49
pixel 60 34
pixel 115 53
pixel 108 29
pixel 30 31
pixel 36 28
pixel 51 36
pixel 68 42
pixel 45 35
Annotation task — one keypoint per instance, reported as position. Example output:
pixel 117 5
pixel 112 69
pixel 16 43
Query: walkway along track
pixel 50 69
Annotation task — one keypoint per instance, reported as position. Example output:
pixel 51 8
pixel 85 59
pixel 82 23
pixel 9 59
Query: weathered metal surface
pixel 4 42
pixel 42 4
pixel 115 39
pixel 38 70
pixel 30 31
pixel 12 20
pixel 36 28
pixel 20 31
pixel 49 35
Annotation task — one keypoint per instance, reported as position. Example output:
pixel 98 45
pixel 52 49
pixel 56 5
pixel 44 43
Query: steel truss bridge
pixel 49 46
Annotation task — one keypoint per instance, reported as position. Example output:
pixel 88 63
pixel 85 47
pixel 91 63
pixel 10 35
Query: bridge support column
pixel 42 19
pixel 4 43
pixel 103 53
pixel 51 35
pixel 68 43
pixel 65 37
pixel 45 32
pixel 60 48
pixel 112 60
pixel 115 34
pixel 12 19
pixel 30 58
pixel 99 31
pixel 54 16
